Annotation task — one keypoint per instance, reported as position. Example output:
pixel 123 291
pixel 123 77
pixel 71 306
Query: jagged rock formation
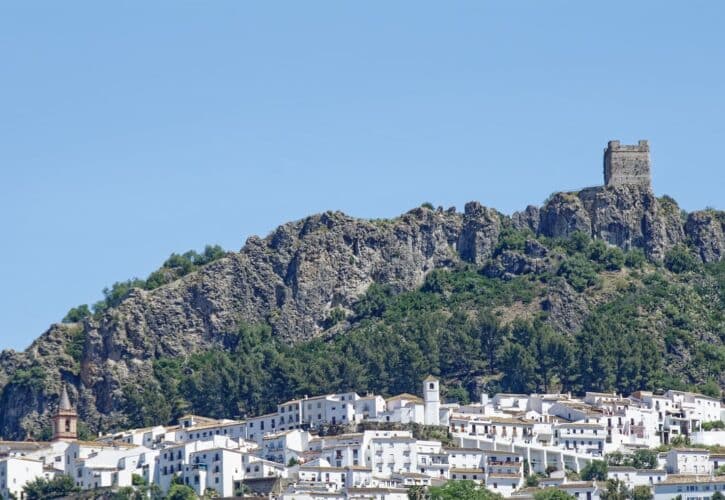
pixel 294 277
pixel 625 216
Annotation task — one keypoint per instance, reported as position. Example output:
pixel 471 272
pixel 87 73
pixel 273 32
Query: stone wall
pixel 626 165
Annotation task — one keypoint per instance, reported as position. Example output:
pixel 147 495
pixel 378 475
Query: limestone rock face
pixel 562 215
pixel 567 309
pixel 706 230
pixel 481 227
pixel 527 219
pixel 624 216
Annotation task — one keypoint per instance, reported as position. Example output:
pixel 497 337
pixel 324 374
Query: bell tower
pixel 65 421
pixel 432 401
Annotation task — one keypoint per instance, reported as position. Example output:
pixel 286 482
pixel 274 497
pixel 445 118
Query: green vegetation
pixel 680 259
pixel 640 319
pixel 176 266
pixel 640 459
pixel 643 492
pixel 58 487
pixel 616 490
pixel 74 346
pixel 31 378
pixel 461 490
pixel 711 426
pixel 596 470
pixel 180 492
pixel 552 494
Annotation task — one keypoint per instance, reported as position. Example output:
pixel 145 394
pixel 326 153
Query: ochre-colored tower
pixel 65 421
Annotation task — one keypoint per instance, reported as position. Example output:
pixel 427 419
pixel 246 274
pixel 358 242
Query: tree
pixel 41 488
pixel 519 368
pixel 418 493
pixel 595 470
pixel 679 260
pixel 180 492
pixel 644 459
pixel 532 480
pixel 643 492
pixel 552 494
pixel 616 490
pixel 461 490
pixel 718 495
pixel 77 314
pixel 615 458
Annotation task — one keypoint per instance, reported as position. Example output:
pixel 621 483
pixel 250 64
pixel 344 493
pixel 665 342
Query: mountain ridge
pixel 306 272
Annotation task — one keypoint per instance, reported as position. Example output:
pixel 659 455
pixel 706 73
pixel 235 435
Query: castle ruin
pixel 627 165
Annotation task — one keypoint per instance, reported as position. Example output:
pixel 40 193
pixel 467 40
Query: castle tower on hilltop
pixel 65 421
pixel 432 401
pixel 627 165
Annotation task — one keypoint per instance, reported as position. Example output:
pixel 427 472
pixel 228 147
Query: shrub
pixel 77 314
pixel 709 426
pixel 634 258
pixel 679 260
pixel 552 494
pixel 578 272
pixel 595 470
pixel 58 487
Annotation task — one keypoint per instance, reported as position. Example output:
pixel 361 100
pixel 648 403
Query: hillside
pixel 532 301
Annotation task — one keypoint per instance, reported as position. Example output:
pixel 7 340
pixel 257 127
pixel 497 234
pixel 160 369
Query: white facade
pixel 218 469
pixel 432 399
pixel 688 487
pixel 689 461
pixel 15 472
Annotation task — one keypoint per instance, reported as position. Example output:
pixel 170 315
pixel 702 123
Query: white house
pixel 219 469
pixel 15 472
pixel 636 477
pixel 688 487
pixel 689 461
pixel 580 436
pixel 285 446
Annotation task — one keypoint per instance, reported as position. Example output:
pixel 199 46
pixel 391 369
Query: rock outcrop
pixel 624 216
pixel 706 231
pixel 294 277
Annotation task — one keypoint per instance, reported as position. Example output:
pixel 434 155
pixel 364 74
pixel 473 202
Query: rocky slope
pixel 295 277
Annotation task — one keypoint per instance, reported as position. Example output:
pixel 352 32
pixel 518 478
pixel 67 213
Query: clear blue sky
pixel 133 130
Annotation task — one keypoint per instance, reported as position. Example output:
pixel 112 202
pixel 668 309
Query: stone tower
pixel 627 165
pixel 65 421
pixel 432 401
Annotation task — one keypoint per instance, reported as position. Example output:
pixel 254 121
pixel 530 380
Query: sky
pixel 131 130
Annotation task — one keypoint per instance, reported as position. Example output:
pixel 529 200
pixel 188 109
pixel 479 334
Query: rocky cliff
pixel 295 277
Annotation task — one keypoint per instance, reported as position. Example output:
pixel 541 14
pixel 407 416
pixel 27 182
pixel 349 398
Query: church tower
pixel 65 421
pixel 432 400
